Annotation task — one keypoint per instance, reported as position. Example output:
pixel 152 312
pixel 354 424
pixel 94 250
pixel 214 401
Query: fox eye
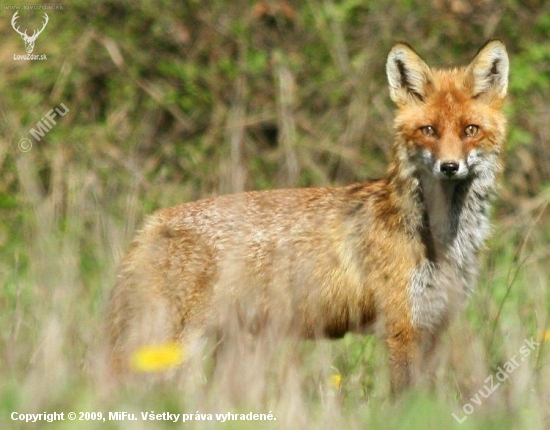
pixel 428 131
pixel 471 130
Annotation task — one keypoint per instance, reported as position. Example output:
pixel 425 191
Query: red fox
pixel 396 256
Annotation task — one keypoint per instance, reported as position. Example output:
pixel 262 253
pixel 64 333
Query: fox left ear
pixel 487 74
pixel 409 77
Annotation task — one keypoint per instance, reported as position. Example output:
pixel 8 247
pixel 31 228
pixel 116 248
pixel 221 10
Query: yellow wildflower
pixel 546 336
pixel 157 358
pixel 336 380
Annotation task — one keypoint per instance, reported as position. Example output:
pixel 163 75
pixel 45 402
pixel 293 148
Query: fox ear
pixel 487 74
pixel 409 77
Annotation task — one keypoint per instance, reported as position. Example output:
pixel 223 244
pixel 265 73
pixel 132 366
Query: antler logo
pixel 29 40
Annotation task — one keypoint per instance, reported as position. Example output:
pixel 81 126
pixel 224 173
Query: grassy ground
pixel 171 102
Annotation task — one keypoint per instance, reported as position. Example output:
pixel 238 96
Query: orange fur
pixel 397 256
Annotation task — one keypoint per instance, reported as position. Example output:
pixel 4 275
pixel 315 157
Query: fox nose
pixel 449 168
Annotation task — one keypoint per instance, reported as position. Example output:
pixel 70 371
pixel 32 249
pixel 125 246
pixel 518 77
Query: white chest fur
pixel 457 225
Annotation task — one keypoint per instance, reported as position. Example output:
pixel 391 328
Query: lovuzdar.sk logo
pixel 29 40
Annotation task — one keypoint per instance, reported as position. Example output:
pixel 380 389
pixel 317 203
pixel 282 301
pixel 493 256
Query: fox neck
pixel 450 216
pixel 455 218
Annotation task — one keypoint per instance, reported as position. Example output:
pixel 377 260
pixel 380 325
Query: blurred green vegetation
pixel 174 101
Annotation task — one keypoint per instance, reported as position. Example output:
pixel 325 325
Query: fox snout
pixel 450 168
pixel 453 168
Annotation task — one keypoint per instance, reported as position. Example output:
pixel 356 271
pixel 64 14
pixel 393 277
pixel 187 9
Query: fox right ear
pixel 487 74
pixel 409 77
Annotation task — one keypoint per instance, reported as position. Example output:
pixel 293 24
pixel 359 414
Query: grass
pixel 263 106
pixel 53 345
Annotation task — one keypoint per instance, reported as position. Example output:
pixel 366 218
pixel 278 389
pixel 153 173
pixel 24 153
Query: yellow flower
pixel 156 358
pixel 336 380
pixel 546 336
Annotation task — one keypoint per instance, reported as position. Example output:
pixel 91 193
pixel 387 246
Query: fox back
pixel 397 256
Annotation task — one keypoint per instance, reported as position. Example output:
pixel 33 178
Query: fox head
pixel 449 121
